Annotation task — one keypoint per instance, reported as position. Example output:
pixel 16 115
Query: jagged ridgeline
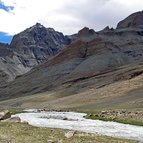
pixel 29 48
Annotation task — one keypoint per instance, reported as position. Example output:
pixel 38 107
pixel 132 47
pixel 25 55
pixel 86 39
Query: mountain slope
pixel 98 69
pixel 10 64
pixel 29 48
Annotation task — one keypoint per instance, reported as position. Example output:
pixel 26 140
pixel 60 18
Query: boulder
pixel 24 122
pixel 104 112
pixel 70 134
pixel 13 120
pixel 65 118
pixel 5 115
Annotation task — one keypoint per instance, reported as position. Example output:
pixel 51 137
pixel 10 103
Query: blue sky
pixel 4 37
pixel 6 8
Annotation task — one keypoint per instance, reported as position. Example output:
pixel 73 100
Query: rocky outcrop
pixel 70 134
pixel 85 32
pixel 5 115
pixel 135 20
pixel 5 50
pixel 107 29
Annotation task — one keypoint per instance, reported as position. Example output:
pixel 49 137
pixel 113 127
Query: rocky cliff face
pixel 37 44
pixel 10 64
pixel 4 50
pixel 29 48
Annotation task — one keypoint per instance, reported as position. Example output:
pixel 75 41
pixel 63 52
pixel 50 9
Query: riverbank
pixel 120 116
pixel 24 133
pixel 132 117
pixel 77 122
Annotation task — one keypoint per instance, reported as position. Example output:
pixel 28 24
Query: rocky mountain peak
pixel 85 32
pixel 35 29
pixel 134 20
pixel 107 29
pixel 39 25
pixel 38 43
pixel 29 48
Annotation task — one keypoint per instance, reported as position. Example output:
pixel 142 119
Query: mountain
pixel 98 70
pixel 134 20
pixel 37 44
pixel 29 48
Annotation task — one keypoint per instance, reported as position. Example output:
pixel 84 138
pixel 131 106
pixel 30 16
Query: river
pixel 76 121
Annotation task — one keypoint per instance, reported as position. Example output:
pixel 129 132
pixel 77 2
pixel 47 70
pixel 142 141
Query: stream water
pixel 76 121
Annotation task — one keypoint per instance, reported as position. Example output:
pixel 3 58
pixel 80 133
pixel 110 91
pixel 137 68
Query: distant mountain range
pixel 85 70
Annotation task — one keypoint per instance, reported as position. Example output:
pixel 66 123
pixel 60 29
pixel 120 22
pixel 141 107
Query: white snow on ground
pixel 76 121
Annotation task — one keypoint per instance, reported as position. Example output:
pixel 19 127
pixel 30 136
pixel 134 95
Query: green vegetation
pixel 24 133
pixel 16 110
pixel 130 122
pixel 124 121
pixel 121 116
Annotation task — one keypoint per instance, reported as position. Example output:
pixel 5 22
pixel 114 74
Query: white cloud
pixel 67 16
